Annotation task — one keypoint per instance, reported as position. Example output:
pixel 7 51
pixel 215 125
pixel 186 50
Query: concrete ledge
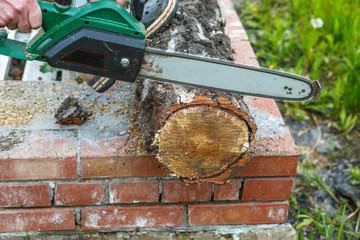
pixel 245 232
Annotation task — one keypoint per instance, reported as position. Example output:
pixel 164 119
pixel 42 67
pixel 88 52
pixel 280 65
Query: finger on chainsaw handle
pixel 35 16
pixel 22 14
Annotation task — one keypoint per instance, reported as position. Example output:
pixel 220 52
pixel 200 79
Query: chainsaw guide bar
pixel 221 75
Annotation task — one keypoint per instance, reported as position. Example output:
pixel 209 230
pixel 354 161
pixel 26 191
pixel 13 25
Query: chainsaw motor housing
pixel 99 38
pixel 98 52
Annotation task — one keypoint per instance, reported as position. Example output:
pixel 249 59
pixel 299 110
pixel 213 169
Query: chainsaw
pixel 102 38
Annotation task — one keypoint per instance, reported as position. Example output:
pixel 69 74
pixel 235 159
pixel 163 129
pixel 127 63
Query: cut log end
pixel 203 141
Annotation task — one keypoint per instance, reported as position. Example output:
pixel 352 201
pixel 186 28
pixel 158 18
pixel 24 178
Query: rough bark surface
pixel 70 112
pixel 198 135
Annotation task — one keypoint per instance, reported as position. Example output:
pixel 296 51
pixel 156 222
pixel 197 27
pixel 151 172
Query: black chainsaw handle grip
pixel 64 3
pixel 137 8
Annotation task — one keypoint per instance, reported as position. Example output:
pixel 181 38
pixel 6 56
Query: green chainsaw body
pixel 94 38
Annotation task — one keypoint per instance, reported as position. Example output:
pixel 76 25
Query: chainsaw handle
pixel 64 3
pixel 137 8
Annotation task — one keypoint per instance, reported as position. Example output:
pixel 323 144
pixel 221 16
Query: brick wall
pixel 52 180
pixel 149 202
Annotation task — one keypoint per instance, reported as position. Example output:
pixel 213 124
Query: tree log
pixel 198 135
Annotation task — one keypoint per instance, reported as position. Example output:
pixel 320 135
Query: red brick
pixel 132 217
pixel 225 4
pixel 25 195
pixel 228 191
pixel 238 213
pixel 233 28
pixel 41 144
pixel 85 193
pixel 177 191
pixel 267 189
pixel 134 191
pixel 264 104
pixel 37 220
pixel 27 169
pixel 121 166
pixel 106 148
pixel 243 53
pixel 281 144
pixel 237 34
pixel 271 166
pixel 238 58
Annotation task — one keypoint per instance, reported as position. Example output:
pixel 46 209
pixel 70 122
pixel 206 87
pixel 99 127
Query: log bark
pixel 197 134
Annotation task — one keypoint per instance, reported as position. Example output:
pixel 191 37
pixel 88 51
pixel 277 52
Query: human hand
pixel 22 14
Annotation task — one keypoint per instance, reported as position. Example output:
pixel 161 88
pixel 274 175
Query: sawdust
pixel 18 106
pixel 104 108
pixel 137 146
pixel 134 130
pixel 124 109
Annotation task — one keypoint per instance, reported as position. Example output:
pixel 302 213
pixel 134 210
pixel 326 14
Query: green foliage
pixel 317 222
pixel 347 122
pixel 313 178
pixel 294 110
pixel 127 4
pixel 355 175
pixel 316 38
pixel 46 68
pixel 323 226
pixel 342 223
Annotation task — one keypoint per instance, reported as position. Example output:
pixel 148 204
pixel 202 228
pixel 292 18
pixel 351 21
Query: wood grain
pixel 202 141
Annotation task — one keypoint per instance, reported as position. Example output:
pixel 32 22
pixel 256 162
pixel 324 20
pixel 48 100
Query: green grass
pixel 319 39
pixel 317 223
pixel 355 176
pixel 284 37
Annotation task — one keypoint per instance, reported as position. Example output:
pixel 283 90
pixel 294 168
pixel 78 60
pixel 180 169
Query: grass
pixel 315 38
pixel 319 39
pixel 317 223
pixel 355 175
